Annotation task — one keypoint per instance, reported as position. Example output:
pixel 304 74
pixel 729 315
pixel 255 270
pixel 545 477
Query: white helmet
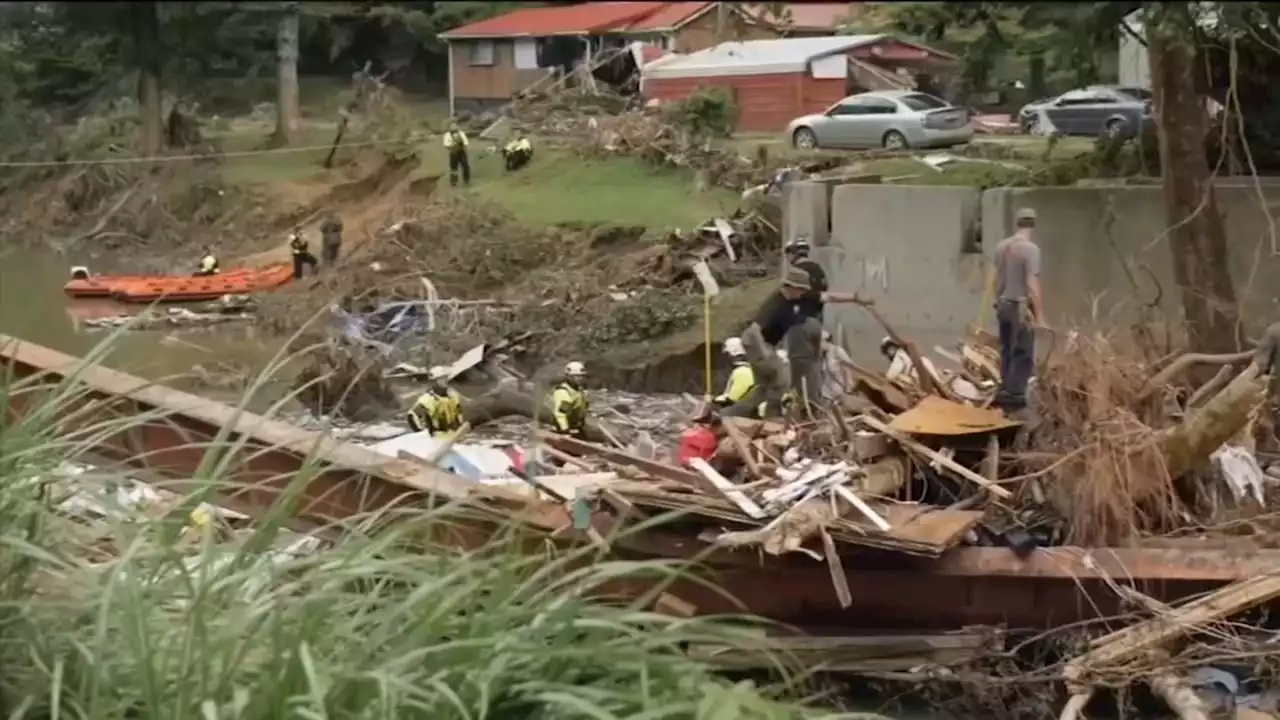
pixel 575 369
pixel 439 372
pixel 733 347
pixel 888 345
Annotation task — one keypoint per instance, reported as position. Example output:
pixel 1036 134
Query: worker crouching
pixel 208 264
pixel 302 257
pixel 439 409
pixel 569 402
pixel 517 153
pixel 741 379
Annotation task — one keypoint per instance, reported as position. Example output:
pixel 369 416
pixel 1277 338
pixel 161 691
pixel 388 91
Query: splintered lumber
pixel 920 530
pixel 728 489
pixel 1205 429
pixel 1154 633
pixel 943 461
pixel 580 448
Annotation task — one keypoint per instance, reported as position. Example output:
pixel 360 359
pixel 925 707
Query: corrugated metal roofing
pixel 581 19
pixel 754 57
pixel 670 17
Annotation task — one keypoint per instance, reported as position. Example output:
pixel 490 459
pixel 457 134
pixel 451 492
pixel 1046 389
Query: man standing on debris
pixel 1019 310
pixel 804 341
pixel 208 263
pixel 741 379
pixel 518 152
pixel 439 409
pixel 569 402
pixel 455 143
pixel 774 318
pixel 302 256
pixel 331 239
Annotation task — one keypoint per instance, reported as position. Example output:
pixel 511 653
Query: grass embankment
pixel 141 617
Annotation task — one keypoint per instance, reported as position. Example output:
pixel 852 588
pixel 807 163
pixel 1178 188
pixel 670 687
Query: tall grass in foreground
pixel 169 626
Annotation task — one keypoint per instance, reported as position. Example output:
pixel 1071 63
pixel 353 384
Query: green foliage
pixel 706 113
pixel 649 315
pixel 1069 37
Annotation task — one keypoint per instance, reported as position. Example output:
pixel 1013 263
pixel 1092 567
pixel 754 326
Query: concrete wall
pixel 1104 252
pixel 904 247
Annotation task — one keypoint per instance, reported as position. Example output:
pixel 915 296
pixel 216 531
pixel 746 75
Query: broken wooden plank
pixel 942 461
pixel 618 457
pixel 675 606
pixel 862 507
pixel 744 449
pixel 838 579
pixel 728 489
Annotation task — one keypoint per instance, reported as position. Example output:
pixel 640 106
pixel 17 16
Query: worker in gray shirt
pixel 1019 311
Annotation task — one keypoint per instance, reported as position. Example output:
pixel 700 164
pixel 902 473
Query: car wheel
pixel 1115 127
pixel 804 139
pixel 894 140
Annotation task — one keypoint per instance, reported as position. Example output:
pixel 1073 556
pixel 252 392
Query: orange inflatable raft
pixel 169 288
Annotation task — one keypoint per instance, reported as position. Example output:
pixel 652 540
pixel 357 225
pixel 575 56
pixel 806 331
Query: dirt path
pixel 366 206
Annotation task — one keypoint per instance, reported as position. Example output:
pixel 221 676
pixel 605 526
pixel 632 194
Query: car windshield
pixel 921 101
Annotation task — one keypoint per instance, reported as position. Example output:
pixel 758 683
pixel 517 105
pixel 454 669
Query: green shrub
pixel 707 113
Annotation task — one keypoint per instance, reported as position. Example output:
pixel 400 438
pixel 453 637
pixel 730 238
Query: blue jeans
pixel 1017 354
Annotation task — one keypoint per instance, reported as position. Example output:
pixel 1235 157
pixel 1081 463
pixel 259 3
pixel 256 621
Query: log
pixel 1188 446
pixel 506 401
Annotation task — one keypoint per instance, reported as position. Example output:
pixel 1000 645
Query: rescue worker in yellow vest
pixel 455 143
pixel 439 409
pixel 518 152
pixel 569 402
pixel 741 379
pixel 208 264
pixel 302 256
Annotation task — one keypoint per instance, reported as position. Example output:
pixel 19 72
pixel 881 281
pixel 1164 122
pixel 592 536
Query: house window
pixel 481 52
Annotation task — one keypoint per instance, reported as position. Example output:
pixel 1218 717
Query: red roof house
pixel 492 60
pixel 774 81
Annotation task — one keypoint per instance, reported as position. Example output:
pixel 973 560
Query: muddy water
pixel 33 308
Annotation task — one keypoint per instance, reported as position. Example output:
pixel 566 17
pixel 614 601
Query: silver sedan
pixel 893 119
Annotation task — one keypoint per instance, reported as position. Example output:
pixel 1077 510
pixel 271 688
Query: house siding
pixel 479 87
pixel 766 103
pixel 700 33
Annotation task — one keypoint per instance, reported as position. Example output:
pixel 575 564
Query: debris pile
pixel 479 274
pixel 914 462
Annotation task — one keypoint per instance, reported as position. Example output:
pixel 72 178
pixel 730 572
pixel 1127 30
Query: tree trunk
pixel 1197 239
pixel 1036 86
pixel 287 111
pixel 148 55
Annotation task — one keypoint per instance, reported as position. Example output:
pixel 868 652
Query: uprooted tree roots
pixel 1108 449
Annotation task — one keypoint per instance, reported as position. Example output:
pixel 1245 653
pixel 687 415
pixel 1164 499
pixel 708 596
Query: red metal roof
pixel 672 16
pixel 582 19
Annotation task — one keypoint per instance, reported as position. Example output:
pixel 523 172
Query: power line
pixel 205 156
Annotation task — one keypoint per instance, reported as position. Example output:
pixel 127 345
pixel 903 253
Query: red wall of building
pixel 766 103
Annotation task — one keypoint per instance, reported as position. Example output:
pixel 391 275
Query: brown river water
pixel 34 308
